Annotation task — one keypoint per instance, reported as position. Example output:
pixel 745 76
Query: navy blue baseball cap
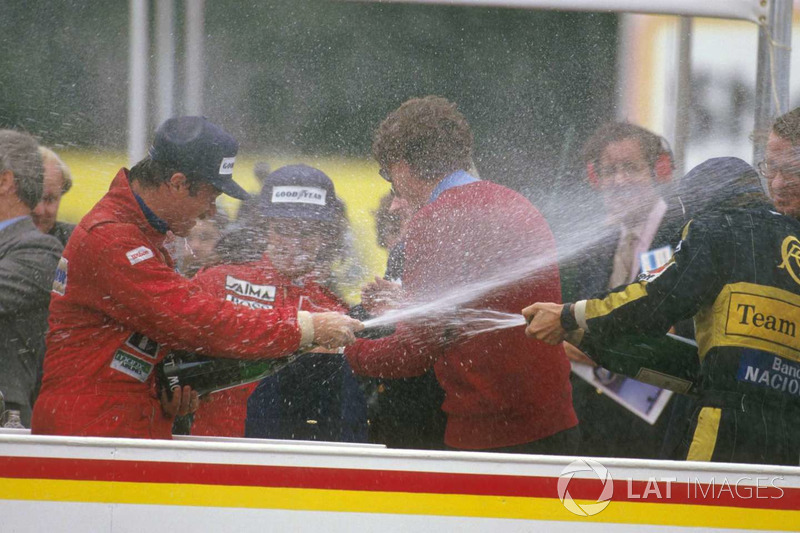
pixel 196 145
pixel 298 191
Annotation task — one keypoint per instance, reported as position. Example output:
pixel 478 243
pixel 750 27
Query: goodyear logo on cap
pixel 226 167
pixel 294 194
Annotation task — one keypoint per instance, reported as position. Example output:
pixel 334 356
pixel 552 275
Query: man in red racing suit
pixel 118 306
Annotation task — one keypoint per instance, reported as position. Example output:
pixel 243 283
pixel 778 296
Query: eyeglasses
pixel 769 170
pixel 627 169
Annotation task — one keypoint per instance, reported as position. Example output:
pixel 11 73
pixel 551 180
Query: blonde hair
pixel 66 175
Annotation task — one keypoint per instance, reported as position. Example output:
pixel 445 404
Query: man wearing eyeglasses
pixel 781 166
pixel 737 272
pixel 627 166
pixel 502 392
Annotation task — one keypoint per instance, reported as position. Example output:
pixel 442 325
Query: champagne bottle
pixel 213 374
pixel 376 332
pixel 666 361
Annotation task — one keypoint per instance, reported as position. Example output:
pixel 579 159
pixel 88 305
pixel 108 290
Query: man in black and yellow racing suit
pixel 736 270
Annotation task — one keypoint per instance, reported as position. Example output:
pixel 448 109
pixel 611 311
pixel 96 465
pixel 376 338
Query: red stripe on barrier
pixel 728 493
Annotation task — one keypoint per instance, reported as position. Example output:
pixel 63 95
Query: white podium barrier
pixel 119 485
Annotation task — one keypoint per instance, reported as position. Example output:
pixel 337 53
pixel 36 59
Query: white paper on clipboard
pixel 644 400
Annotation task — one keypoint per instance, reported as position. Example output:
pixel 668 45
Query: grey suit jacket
pixel 28 261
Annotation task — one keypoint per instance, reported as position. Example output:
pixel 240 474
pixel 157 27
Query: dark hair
pixel 152 174
pixel 787 126
pixel 19 153
pixel 429 134
pixel 652 145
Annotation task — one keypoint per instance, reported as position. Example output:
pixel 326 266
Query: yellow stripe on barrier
pixel 193 495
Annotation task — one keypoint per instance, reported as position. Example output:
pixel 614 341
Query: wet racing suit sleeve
pixel 149 297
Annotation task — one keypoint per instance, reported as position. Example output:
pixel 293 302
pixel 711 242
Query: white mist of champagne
pixel 456 301
pixel 584 228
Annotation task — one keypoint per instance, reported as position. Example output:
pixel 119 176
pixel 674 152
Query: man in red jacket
pixel 485 247
pixel 118 306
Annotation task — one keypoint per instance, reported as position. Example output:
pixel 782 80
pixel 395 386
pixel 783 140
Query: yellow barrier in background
pixel 356 181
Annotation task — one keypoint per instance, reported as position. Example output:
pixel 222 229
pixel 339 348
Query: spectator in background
pixel 28 261
pixel 317 397
pixel 403 412
pixel 501 393
pixel 201 243
pixel 627 165
pixel 57 182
